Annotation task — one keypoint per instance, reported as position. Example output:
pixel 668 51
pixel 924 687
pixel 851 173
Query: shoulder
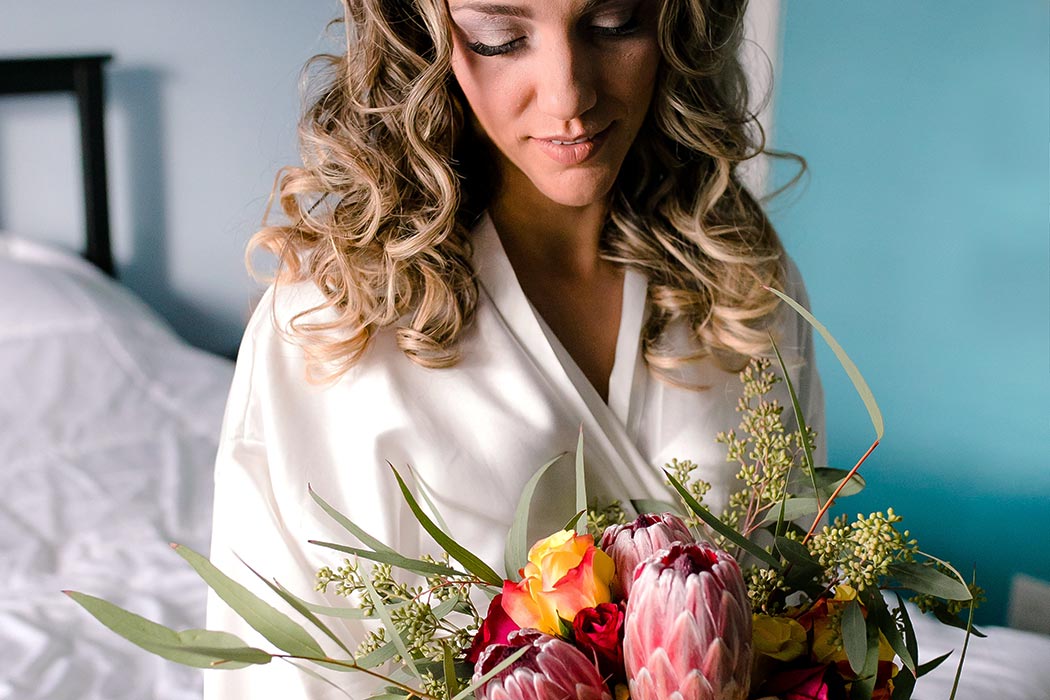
pixel 794 286
pixel 274 379
pixel 284 304
pixel 794 334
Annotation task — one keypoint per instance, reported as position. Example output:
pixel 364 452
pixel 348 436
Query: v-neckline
pixel 612 429
pixel 497 275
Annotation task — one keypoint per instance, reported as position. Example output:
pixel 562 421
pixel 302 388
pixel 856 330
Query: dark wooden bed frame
pixel 81 75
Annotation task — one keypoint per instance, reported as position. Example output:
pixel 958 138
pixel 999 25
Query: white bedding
pixel 108 429
pixel 1008 664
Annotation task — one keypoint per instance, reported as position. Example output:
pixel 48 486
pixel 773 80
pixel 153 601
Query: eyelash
pixel 625 29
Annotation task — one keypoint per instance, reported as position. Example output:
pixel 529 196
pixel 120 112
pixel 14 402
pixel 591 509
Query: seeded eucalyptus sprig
pixel 421 624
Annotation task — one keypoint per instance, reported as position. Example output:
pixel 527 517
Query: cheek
pixel 635 76
pixel 489 90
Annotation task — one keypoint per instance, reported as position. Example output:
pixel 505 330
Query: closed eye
pixel 629 27
pixel 490 50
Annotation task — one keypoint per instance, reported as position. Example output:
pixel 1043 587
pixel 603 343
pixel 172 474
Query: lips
pixel 572 149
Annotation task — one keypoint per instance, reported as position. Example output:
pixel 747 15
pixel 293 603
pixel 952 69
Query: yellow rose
pixel 565 574
pixel 781 638
pixel 827 633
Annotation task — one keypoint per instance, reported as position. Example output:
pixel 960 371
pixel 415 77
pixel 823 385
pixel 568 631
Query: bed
pixel 109 427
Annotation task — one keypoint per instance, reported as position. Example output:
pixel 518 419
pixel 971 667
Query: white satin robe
pixel 474 433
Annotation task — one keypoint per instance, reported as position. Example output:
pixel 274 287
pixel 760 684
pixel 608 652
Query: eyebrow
pixel 495 8
pixel 489 8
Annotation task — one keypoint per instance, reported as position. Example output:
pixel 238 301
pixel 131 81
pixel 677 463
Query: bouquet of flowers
pixel 675 603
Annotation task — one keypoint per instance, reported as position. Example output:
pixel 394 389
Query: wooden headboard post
pixel 81 75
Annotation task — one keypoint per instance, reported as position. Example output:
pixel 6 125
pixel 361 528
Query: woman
pixel 514 219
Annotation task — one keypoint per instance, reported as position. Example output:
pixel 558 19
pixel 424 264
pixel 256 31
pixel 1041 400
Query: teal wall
pixel 923 234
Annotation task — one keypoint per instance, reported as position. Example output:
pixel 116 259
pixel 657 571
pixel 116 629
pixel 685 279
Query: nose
pixel 566 83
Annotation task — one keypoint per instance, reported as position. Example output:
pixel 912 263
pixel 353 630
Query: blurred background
pixel 922 226
pixel 923 233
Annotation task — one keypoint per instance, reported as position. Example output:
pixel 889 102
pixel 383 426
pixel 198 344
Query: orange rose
pixel 565 574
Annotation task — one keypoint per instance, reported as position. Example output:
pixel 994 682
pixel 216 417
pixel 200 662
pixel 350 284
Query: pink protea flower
pixel 688 630
pixel 633 543
pixel 552 669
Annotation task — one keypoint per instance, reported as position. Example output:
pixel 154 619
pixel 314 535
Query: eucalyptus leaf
pixel 652 505
pixel 829 478
pixel 924 578
pixel 798 507
pixel 951 570
pixel 903 686
pixel 388 625
pixel 449 666
pixel 800 419
pixel 242 655
pixel 573 521
pixel 792 509
pixel 166 642
pixel 498 668
pixel 417 566
pixel 455 550
pixel 721 528
pixel 940 611
pixel 445 608
pixel 925 668
pixel 300 608
pixel 581 488
pixel 345 613
pixel 424 489
pixel 910 642
pixel 878 611
pixel 517 550
pixel 378 657
pixel 350 526
pixel 854 636
pixel 797 553
pixel 847 364
pixel 279 629
pixel 863 688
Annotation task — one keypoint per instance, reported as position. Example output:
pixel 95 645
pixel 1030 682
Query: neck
pixel 540 234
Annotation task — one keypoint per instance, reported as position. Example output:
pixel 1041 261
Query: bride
pixel 513 218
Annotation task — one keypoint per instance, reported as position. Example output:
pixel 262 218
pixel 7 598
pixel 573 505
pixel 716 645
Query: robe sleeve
pixel 251 524
pixel 807 383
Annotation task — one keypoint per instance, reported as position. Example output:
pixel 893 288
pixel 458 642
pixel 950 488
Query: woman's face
pixel 560 87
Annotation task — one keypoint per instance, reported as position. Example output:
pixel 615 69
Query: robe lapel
pixel 624 473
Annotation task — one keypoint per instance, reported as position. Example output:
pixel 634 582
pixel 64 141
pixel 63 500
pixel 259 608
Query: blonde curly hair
pixel 393 179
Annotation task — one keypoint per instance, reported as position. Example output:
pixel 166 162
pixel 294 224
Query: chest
pixel 585 317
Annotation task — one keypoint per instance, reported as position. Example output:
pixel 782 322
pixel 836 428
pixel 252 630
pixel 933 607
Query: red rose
pixel 494 629
pixel 809 683
pixel 599 633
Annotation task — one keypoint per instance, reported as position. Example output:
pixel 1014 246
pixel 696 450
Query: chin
pixel 576 189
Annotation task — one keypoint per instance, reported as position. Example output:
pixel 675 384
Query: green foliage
pixel 197 648
pixel 599 518
pixel 864 550
pixel 682 471
pixel 763 448
pixel 418 612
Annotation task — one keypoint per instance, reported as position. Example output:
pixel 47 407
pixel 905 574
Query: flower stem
pixel 842 485
pixel 412 692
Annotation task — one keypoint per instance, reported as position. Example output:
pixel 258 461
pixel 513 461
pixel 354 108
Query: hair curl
pixel 379 213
